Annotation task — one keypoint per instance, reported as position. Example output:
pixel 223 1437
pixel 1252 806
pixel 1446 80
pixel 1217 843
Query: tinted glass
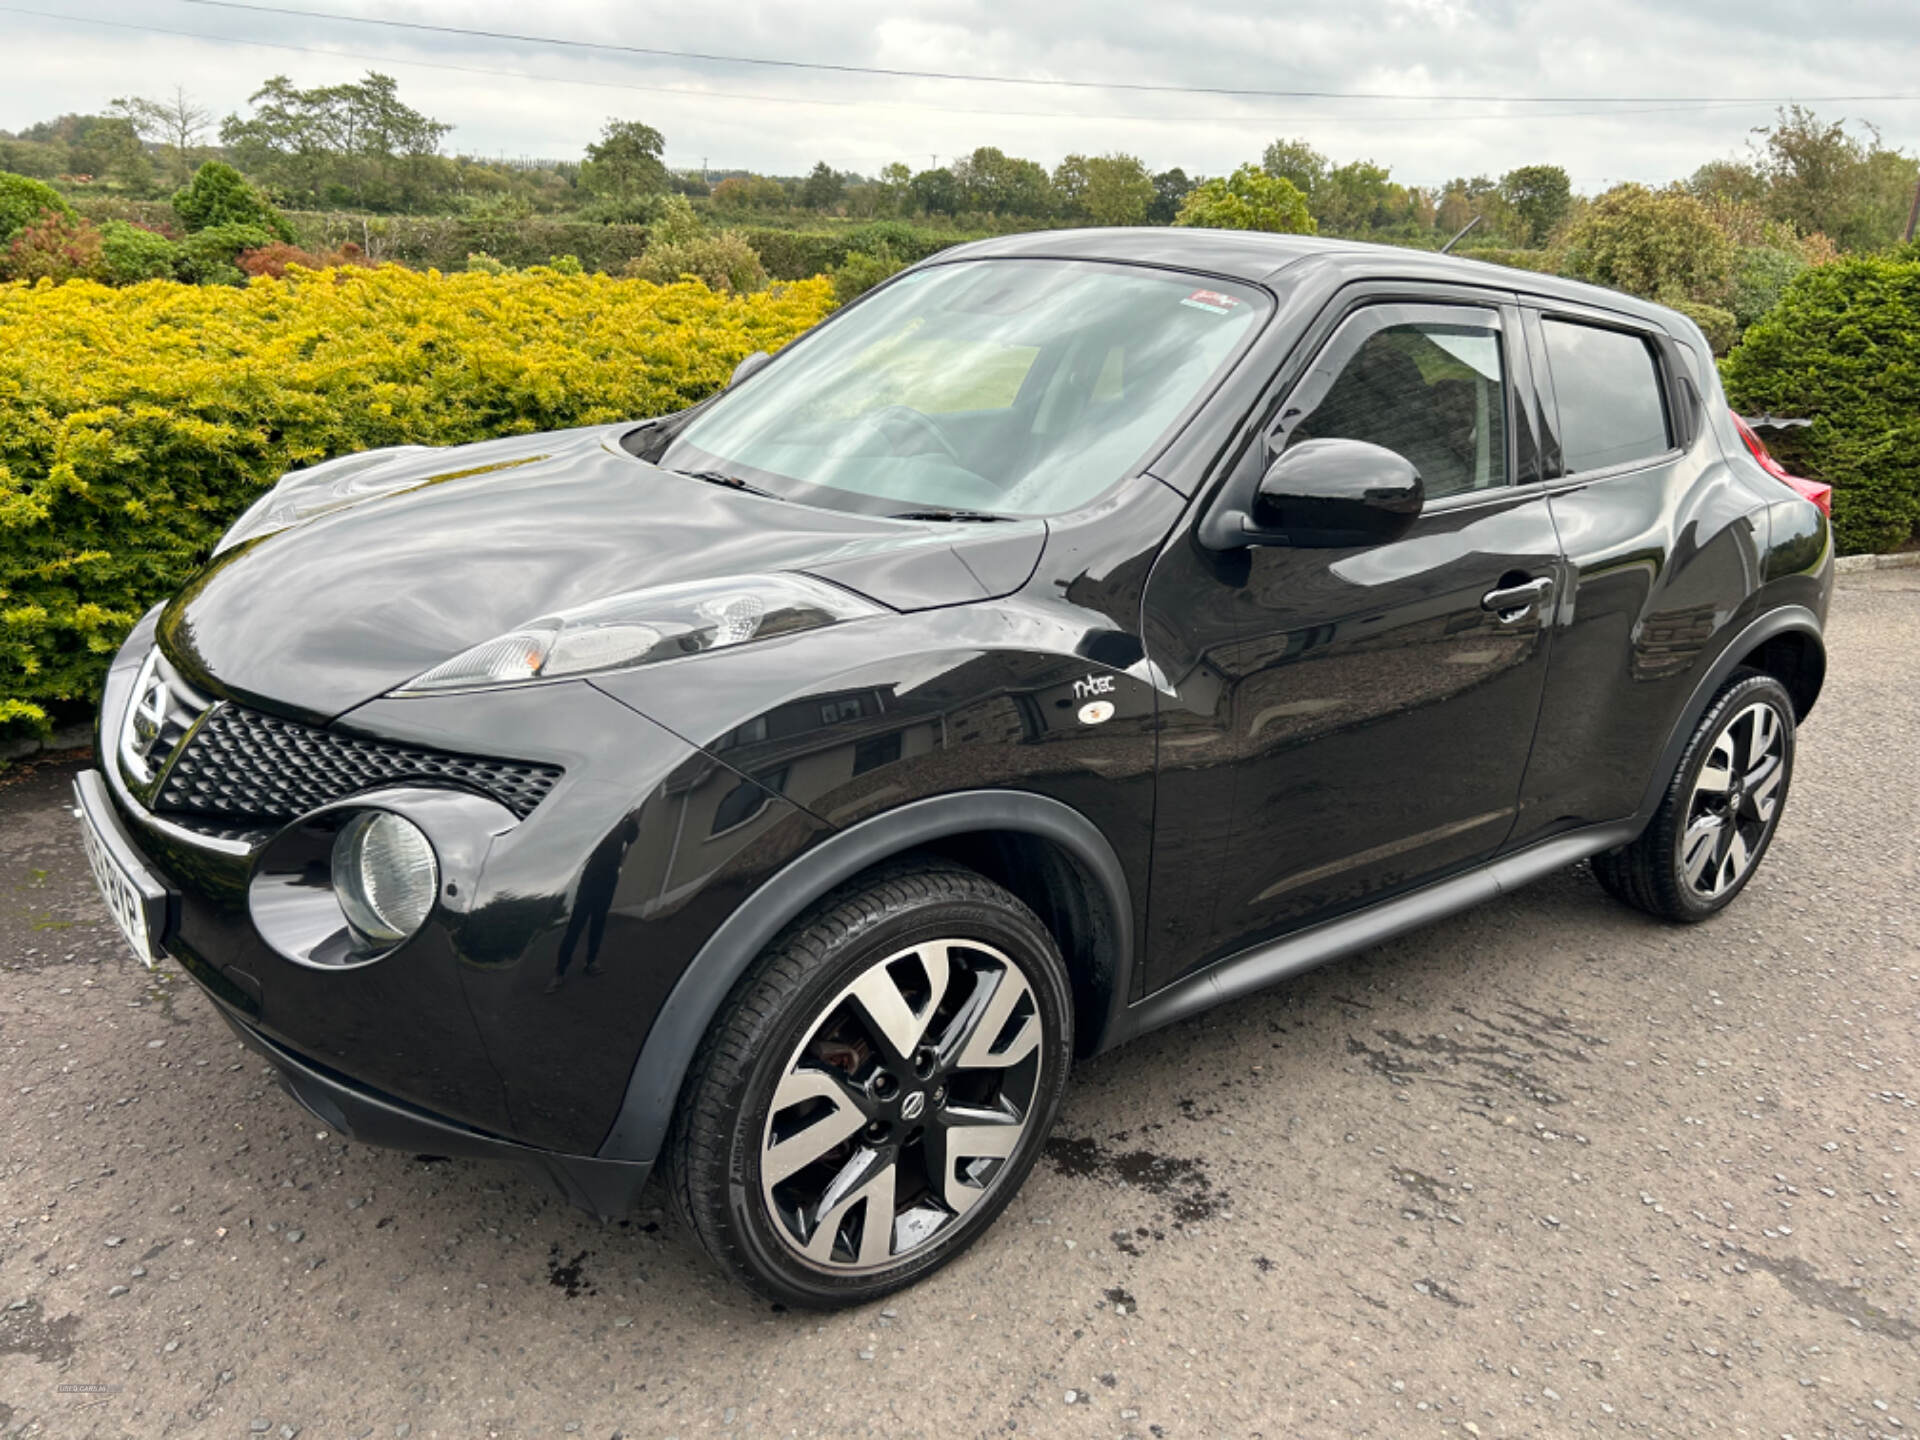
pixel 1607 387
pixel 1017 387
pixel 1433 393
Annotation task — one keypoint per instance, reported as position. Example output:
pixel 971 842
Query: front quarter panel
pixel 854 721
pixel 1048 690
pixel 585 914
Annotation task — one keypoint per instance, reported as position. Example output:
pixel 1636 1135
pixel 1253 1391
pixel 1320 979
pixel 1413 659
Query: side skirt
pixel 1294 954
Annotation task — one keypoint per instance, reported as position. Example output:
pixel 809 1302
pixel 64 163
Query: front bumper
pixel 605 1188
pixel 478 1024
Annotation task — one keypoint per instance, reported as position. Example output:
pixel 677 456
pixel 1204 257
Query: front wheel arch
pixel 919 975
pixel 973 827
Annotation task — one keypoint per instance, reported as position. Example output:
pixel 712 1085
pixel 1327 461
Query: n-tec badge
pixel 1096 712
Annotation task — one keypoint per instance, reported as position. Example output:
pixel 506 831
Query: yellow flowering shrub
pixel 137 423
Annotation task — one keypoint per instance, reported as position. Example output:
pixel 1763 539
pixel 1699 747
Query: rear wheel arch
pixel 1721 809
pixel 1788 636
pixel 1047 853
pixel 1797 659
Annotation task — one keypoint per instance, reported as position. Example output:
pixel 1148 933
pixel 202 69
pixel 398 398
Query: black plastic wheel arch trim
pixel 654 1087
pixel 1784 620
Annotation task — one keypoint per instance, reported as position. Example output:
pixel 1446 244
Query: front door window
pixel 1431 391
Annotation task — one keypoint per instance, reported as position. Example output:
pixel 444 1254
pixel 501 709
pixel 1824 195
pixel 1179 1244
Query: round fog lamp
pixel 384 875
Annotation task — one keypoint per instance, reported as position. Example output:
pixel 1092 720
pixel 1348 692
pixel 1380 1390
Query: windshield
pixel 1004 387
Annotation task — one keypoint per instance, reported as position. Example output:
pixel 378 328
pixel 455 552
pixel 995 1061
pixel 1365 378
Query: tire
pixel 904 1045
pixel 1689 863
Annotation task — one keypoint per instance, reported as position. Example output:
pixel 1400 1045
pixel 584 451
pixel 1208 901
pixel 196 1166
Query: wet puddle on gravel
pixel 1810 1288
pixel 1491 1061
pixel 1182 1183
pixel 28 1331
pixel 568 1275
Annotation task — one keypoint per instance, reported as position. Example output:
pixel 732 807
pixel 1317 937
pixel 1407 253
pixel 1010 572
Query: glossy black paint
pixel 1344 493
pixel 1307 746
pixel 475 544
pixel 1312 756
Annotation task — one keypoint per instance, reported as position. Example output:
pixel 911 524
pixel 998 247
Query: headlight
pixel 385 877
pixel 645 626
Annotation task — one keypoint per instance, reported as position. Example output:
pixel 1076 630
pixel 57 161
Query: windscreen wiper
pixel 975 516
pixel 732 482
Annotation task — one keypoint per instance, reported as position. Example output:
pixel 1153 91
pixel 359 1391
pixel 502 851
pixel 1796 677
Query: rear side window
pixel 1606 384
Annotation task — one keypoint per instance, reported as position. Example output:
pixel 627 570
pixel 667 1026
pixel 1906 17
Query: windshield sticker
pixel 1211 300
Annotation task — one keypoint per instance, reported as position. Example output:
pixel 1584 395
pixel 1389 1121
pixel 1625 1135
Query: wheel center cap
pixel 911 1107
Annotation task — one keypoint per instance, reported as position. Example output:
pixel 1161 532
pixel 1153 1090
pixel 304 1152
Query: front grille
pixel 243 764
pixel 160 712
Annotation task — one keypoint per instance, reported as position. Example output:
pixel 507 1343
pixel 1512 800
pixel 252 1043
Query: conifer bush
pixel 1842 349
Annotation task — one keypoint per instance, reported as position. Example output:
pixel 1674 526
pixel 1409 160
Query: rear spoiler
pixel 1748 426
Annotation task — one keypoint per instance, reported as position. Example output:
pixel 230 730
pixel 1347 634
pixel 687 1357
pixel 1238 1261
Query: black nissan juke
pixel 1073 633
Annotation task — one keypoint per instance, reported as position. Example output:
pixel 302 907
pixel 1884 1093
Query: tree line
pixel 359 146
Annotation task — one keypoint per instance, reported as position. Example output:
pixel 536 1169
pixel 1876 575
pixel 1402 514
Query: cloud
pixel 782 120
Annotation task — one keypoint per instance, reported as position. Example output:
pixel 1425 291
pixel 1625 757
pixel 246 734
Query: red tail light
pixel 1821 495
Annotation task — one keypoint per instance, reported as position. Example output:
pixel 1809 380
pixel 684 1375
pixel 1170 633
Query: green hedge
pixel 1546 262
pixel 437 242
pixel 442 243
pixel 219 196
pixel 136 423
pixel 797 254
pixel 432 242
pixel 1842 349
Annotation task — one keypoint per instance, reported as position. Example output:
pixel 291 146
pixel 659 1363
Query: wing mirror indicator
pixel 1324 494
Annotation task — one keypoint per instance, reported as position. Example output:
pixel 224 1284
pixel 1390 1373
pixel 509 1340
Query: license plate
pixel 137 901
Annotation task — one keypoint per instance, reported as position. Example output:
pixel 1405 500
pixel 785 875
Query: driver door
pixel 1349 723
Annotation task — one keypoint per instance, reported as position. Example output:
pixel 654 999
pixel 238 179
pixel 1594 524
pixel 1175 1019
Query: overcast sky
pixel 514 97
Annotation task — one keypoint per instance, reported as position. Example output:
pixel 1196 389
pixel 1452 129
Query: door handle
pixel 1513 602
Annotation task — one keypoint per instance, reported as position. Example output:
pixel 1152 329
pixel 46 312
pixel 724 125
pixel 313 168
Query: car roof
pixel 1257 257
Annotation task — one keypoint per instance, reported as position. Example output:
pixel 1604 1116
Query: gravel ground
pixel 1547 1168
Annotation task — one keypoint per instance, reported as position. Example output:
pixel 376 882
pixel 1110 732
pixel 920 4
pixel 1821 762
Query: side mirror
pixel 748 366
pixel 1324 493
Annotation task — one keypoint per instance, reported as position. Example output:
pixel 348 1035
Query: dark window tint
pixel 1433 393
pixel 1607 387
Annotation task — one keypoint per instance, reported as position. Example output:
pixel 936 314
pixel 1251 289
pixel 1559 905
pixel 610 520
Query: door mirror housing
pixel 1324 494
pixel 748 366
